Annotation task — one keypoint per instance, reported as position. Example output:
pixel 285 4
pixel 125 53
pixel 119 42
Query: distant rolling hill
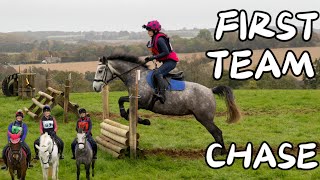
pixel 82 67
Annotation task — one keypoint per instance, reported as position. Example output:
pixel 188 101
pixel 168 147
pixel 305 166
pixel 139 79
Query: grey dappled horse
pixel 84 154
pixel 196 99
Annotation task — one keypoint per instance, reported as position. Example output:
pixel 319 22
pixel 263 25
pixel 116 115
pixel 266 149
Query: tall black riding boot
pixel 162 89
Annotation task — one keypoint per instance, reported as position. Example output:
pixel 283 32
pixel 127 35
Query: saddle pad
pixel 174 85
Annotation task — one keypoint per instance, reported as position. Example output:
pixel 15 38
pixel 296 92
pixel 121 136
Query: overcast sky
pixel 116 15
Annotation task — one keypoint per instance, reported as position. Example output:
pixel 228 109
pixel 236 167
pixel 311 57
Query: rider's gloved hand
pixel 149 58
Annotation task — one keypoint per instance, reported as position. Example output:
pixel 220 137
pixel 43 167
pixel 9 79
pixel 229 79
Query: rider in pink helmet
pixel 161 51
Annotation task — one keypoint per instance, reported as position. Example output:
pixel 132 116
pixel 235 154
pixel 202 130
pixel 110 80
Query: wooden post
pixel 66 99
pixel 133 116
pixel 105 102
pixel 47 79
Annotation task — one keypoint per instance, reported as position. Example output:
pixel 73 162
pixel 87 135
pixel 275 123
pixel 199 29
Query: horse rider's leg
pixel 28 151
pixel 78 170
pixel 159 74
pixel 87 170
pixel 4 157
pixel 36 142
pixel 206 119
pixel 94 146
pixel 61 144
pixel 121 102
pixel 73 148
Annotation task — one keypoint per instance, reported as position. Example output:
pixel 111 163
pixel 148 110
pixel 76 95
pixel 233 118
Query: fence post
pixel 105 102
pixel 66 98
pixel 133 116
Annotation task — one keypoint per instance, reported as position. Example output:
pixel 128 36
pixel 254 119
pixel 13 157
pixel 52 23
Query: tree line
pixel 19 52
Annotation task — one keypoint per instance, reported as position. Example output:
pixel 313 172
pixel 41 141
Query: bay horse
pixel 16 157
pixel 196 99
pixel 84 154
pixel 48 154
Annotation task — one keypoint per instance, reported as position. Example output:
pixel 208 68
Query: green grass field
pixel 268 115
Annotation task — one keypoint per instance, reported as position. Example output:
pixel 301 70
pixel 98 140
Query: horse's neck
pixel 121 67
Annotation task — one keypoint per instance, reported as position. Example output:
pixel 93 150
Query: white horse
pixel 48 154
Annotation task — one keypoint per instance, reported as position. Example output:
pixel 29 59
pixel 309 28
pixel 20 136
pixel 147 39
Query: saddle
pixel 177 76
pixel 172 81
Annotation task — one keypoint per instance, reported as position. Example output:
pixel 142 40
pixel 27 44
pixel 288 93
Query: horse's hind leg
pixel 88 171
pixel 206 119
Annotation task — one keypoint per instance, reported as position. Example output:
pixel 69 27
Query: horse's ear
pixel 80 130
pixel 103 60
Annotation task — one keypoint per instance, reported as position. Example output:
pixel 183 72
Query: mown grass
pixel 268 115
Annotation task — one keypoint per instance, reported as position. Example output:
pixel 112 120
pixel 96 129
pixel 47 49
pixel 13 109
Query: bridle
pixel 112 74
pixel 50 153
pixel 13 152
pixel 105 75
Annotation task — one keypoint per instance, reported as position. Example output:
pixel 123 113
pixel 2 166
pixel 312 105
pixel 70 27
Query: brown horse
pixel 16 158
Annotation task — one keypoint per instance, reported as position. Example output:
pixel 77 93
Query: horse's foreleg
pixel 23 172
pixel 54 170
pixel 78 170
pixel 44 173
pixel 123 111
pixel 87 171
pixel 11 173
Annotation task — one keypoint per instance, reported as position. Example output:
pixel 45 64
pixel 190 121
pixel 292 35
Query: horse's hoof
pixel 146 122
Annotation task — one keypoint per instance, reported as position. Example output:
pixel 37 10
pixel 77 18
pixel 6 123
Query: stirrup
pixel 4 167
pixel 30 165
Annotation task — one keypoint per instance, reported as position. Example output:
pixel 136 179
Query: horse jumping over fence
pixel 84 154
pixel 49 156
pixel 196 99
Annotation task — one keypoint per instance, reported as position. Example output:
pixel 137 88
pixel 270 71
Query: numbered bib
pixel 47 124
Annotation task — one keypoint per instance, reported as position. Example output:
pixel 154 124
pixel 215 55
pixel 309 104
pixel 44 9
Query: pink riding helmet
pixel 153 25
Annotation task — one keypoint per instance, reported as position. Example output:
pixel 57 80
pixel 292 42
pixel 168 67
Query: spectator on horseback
pixel 49 124
pixel 17 127
pixel 84 122
pixel 161 51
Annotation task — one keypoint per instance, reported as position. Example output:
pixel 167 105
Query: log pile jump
pixel 114 138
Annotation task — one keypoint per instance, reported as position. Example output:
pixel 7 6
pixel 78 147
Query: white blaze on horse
pixel 49 156
pixel 84 154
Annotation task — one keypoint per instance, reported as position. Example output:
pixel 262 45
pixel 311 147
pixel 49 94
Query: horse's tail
pixel 233 111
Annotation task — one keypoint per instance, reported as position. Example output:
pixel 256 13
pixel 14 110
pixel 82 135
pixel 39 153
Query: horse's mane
pixel 124 57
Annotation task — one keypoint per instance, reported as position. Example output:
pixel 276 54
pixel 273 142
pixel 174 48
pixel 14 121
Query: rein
pixel 114 75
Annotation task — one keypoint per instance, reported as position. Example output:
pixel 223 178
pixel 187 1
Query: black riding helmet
pixel 46 108
pixel 82 110
pixel 19 113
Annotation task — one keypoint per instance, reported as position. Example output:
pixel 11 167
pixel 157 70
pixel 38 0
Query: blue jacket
pixel 24 129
